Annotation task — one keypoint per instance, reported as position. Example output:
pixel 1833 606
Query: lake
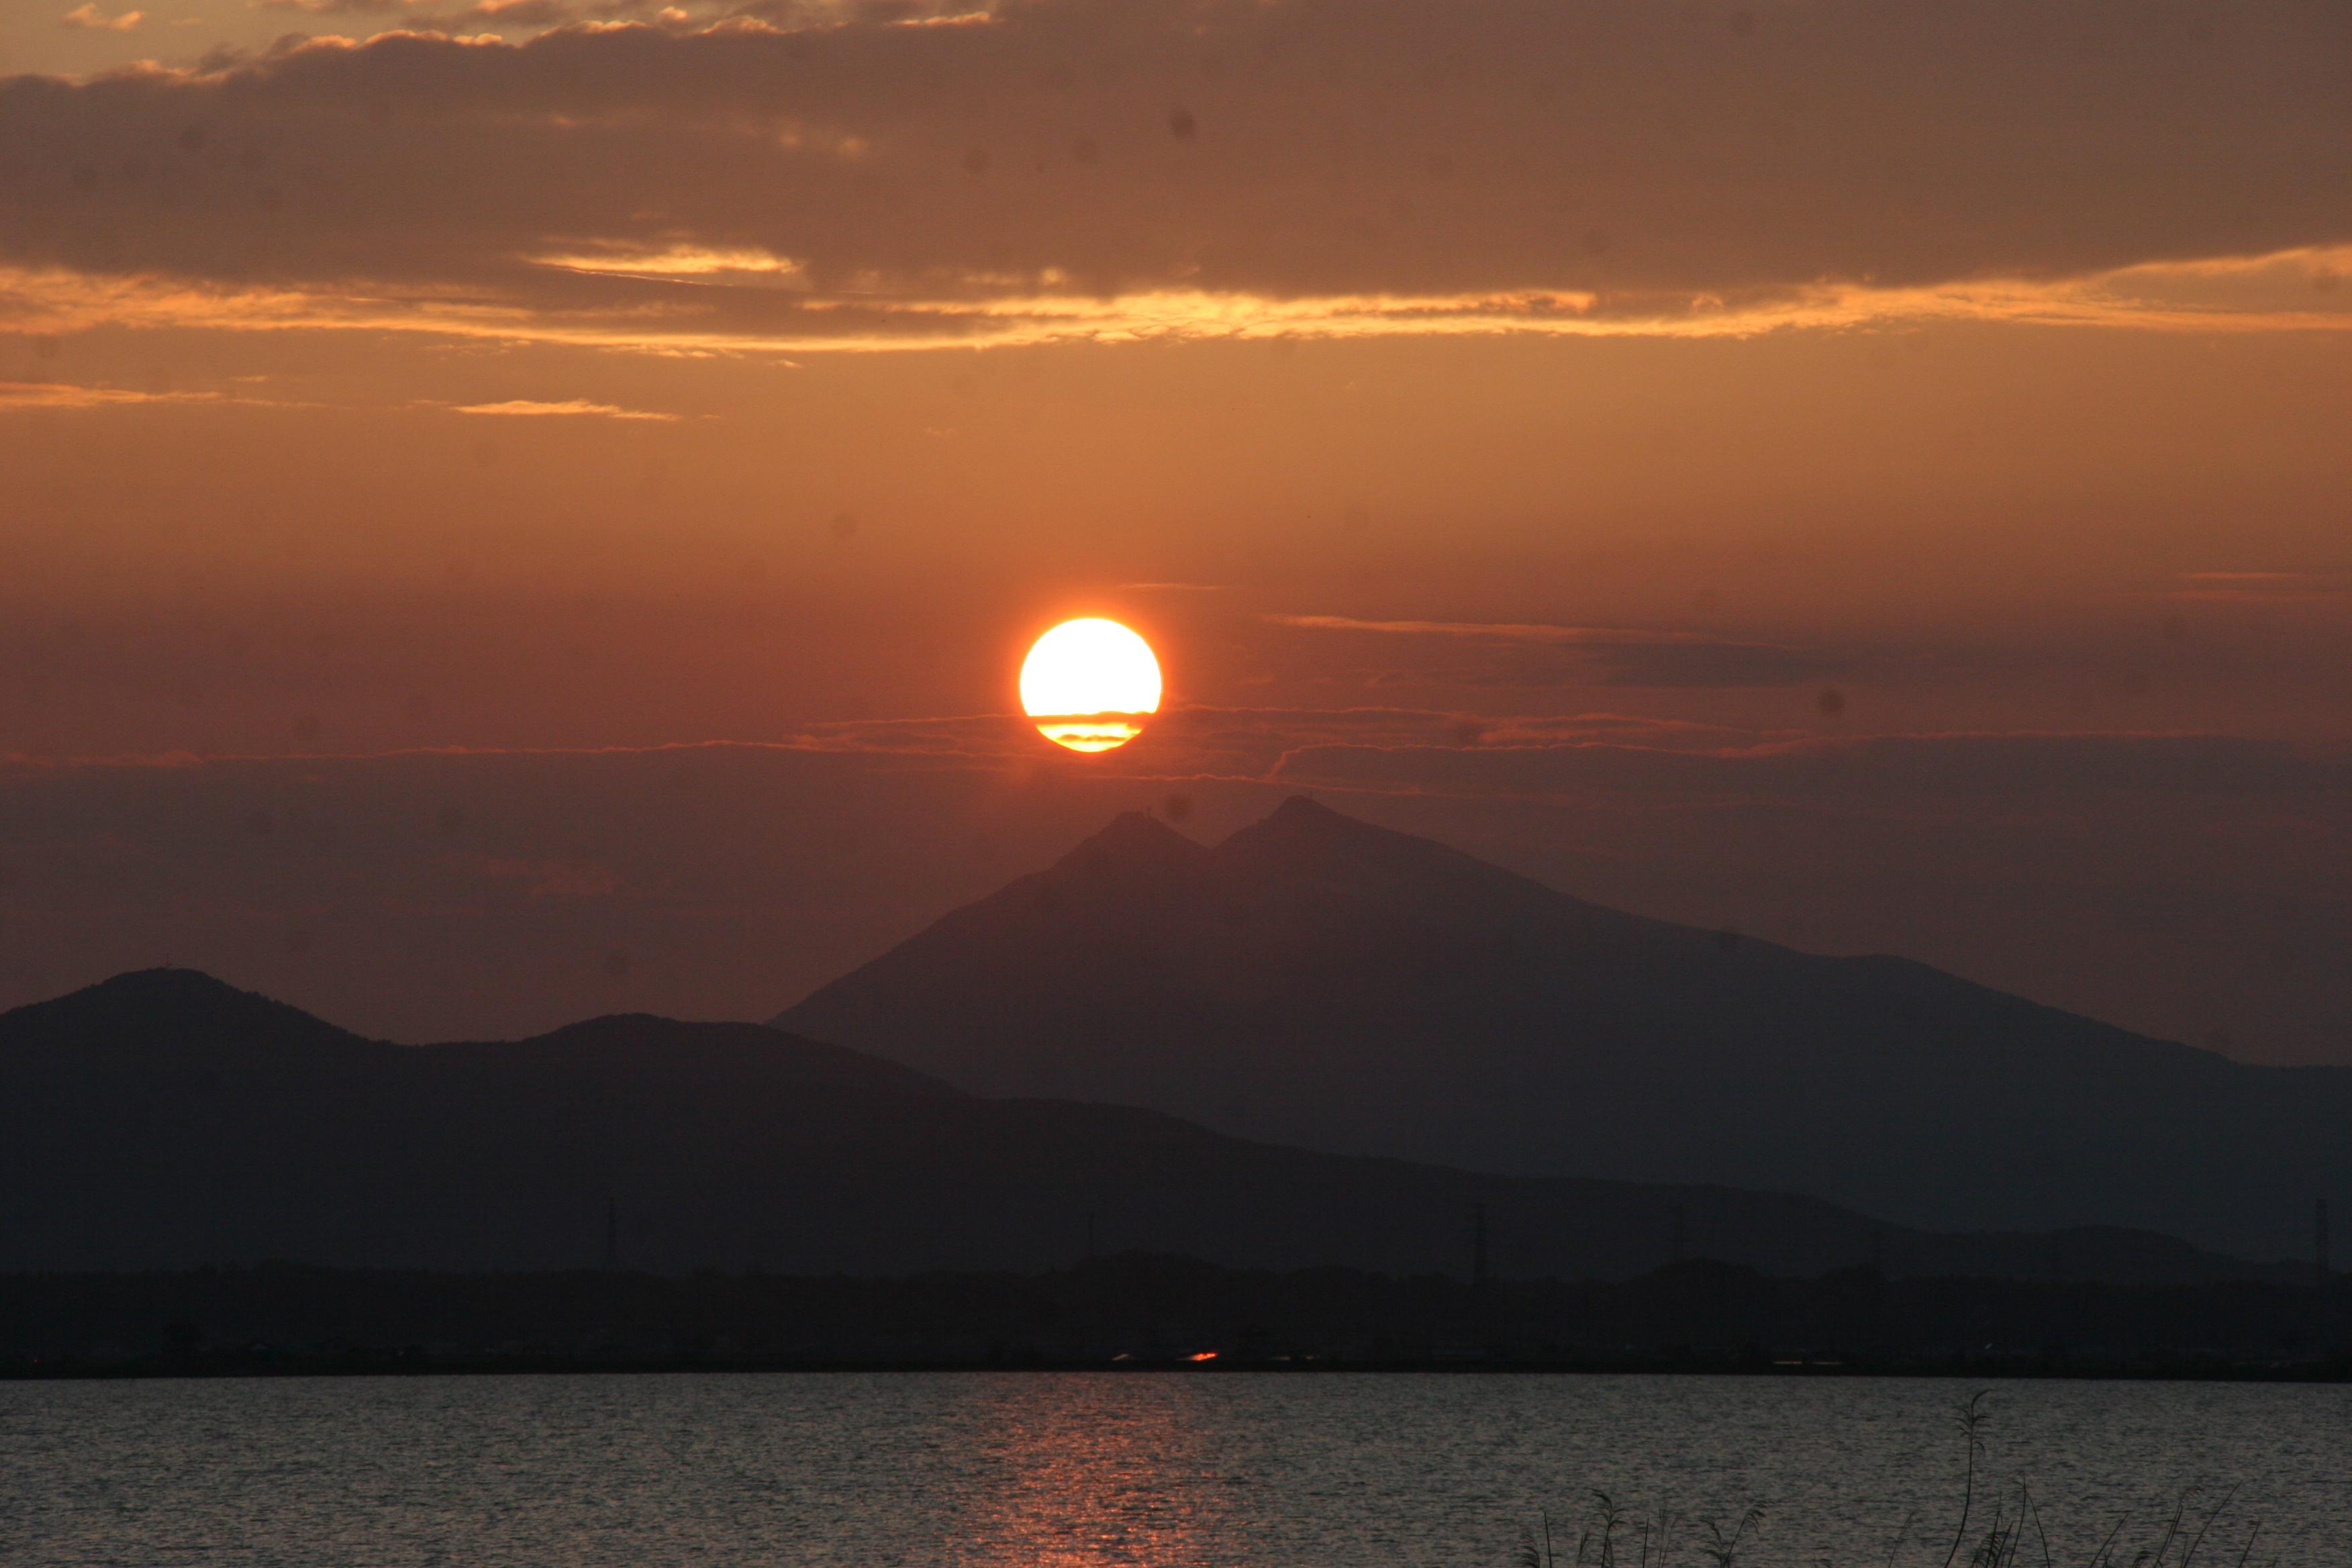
pixel 1306 1471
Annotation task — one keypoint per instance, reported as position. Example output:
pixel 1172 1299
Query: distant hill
pixel 1318 980
pixel 164 1119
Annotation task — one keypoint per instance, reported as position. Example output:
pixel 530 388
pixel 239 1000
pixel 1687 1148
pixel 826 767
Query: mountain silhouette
pixel 1319 981
pixel 164 1120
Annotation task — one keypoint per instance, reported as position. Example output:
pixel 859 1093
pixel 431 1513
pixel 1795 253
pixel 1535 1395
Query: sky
pixel 518 509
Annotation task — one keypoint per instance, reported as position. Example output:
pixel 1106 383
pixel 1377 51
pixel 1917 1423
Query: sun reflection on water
pixel 1113 1472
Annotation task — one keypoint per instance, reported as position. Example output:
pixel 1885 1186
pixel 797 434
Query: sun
pixel 1089 684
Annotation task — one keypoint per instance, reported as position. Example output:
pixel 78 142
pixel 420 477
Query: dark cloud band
pixel 1592 158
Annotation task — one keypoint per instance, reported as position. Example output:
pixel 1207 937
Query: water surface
pixel 991 1470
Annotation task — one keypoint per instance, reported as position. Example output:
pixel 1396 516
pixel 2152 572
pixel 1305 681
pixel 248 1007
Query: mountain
pixel 164 1120
pixel 1318 980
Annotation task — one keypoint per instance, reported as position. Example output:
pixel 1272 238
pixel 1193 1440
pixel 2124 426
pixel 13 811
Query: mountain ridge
pixel 699 1145
pixel 1322 982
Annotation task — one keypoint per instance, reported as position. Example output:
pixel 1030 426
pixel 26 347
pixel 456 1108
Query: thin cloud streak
pixel 56 303
pixel 59 394
pixel 15 395
pixel 1892 768
pixel 577 407
pixel 1497 631
pixel 1423 751
pixel 1530 655
pixel 986 737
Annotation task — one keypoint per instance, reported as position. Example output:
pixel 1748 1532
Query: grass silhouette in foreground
pixel 1609 1537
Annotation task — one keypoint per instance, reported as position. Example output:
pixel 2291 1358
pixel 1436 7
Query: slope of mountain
pixel 164 1119
pixel 1318 980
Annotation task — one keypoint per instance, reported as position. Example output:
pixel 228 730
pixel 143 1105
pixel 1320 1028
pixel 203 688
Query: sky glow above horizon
pixel 1871 474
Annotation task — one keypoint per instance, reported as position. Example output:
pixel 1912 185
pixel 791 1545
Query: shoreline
pixel 274 1364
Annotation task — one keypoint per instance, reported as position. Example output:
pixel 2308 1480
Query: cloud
pixel 1077 169
pixel 735 313
pixel 682 263
pixel 972 736
pixel 572 407
pixel 1451 753
pixel 1890 767
pixel 1229 742
pixel 1536 656
pixel 1252 744
pixel 89 18
pixel 18 394
pixel 1484 631
pixel 426 16
pixel 339 7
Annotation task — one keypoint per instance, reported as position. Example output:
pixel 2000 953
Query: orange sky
pixel 1872 474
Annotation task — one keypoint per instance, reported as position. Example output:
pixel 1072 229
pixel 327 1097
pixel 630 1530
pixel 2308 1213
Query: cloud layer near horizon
pixel 1404 161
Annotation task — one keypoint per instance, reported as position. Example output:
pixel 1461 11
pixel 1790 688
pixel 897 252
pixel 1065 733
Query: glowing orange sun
pixel 1089 685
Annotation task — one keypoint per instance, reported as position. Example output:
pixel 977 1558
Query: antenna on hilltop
pixel 611 1231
